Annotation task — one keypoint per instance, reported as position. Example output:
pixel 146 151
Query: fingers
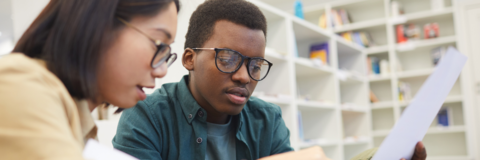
pixel 420 152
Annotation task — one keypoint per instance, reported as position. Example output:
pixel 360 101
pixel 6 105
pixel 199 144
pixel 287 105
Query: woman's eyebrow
pixel 168 34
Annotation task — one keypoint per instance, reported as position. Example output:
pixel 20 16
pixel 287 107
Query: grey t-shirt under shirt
pixel 220 141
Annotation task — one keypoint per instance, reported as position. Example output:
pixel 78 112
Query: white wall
pixel 23 13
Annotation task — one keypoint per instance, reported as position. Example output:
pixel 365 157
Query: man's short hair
pixel 207 14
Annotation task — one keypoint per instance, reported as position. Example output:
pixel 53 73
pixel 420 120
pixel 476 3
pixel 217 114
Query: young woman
pixel 76 55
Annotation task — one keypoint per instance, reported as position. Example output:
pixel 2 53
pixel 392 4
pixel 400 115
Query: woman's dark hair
pixel 70 35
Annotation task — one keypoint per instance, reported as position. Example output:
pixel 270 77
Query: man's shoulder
pixel 161 96
pixel 255 104
pixel 161 100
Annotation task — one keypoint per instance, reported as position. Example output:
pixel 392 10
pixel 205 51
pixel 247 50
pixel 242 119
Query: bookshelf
pixel 339 114
pixel 334 110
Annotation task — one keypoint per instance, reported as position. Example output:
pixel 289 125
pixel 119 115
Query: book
pixel 437 53
pixel 444 117
pixel 373 97
pixel 320 51
pixel 336 18
pixel 322 22
pixel 401 34
pixel 347 36
pixel 369 66
pixel 405 93
pixel 375 65
pixel 384 67
pixel 345 17
pixel 300 127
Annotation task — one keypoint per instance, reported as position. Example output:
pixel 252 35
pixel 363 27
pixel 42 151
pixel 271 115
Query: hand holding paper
pixel 417 117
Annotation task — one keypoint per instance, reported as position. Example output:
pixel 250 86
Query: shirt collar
pixel 89 129
pixel 189 105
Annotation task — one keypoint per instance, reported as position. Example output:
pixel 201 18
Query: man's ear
pixel 188 59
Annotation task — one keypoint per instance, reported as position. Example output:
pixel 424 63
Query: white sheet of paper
pixel 95 151
pixel 417 117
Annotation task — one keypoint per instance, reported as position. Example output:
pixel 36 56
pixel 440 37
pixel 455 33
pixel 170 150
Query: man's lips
pixel 238 95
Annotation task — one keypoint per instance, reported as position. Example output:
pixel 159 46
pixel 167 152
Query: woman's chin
pixel 126 105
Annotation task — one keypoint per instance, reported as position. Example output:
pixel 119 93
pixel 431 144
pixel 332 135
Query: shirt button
pixel 199 140
pixel 190 116
pixel 200 113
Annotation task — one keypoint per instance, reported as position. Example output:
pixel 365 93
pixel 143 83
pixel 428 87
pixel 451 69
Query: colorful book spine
pixel 320 51
pixel 401 34
pixel 300 126
pixel 322 22
pixel 375 65
pixel 443 117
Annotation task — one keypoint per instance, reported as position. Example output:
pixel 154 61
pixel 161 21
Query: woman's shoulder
pixel 19 68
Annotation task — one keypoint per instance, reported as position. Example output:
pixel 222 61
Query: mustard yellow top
pixel 39 120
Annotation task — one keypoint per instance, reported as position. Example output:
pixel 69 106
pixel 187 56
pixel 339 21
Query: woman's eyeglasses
pixel 230 61
pixel 163 53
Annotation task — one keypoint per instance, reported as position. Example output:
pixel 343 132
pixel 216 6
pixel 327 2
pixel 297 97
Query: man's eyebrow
pixel 168 34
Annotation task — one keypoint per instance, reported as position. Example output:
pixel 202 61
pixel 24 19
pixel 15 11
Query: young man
pixel 209 114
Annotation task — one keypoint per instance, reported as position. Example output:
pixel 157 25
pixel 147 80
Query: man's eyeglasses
pixel 163 53
pixel 230 61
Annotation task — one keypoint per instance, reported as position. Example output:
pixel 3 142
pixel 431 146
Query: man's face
pixel 225 93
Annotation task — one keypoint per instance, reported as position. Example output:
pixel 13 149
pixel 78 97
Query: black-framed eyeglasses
pixel 164 51
pixel 230 61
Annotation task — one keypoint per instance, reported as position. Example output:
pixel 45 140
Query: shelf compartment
pixel 275 100
pixel 307 34
pixel 415 6
pixel 379 78
pixel 355 124
pixel 383 91
pixel 382 105
pixel 415 73
pixel 277 80
pixel 320 124
pixel 318 88
pixel 361 10
pixel 383 119
pixel 449 144
pixel 315 105
pixel 305 67
pixel 377 50
pixel 355 94
pixel 361 25
pixel 413 45
pixel 423 15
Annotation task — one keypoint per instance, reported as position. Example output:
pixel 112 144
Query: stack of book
pixel 404 91
pixel 378 67
pixel 339 17
pixel 362 38
pixel 437 53
pixel 319 53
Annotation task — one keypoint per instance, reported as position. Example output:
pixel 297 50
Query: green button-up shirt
pixel 170 125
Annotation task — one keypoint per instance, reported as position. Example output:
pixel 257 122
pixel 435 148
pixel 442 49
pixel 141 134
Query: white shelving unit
pixel 325 122
pixel 334 111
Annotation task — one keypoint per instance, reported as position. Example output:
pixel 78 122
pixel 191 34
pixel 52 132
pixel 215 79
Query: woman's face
pixel 125 67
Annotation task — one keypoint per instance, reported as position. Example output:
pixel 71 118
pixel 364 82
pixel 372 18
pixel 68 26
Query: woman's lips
pixel 141 94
